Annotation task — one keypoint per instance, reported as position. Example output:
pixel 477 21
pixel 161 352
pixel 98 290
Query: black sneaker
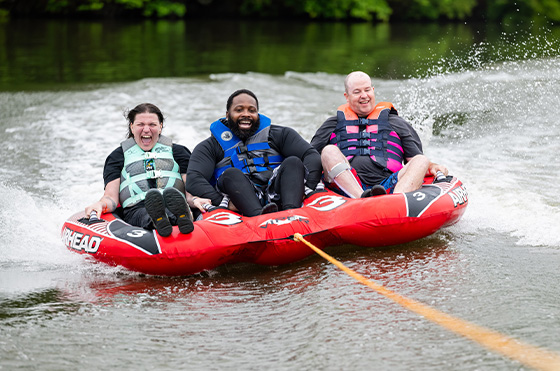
pixel 376 190
pixel 270 208
pixel 176 203
pixel 155 206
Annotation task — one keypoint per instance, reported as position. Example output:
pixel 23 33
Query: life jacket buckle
pixel 153 174
pixel 365 142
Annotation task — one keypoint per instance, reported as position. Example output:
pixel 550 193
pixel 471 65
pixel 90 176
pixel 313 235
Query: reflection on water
pixel 388 265
pixel 231 283
pixel 54 54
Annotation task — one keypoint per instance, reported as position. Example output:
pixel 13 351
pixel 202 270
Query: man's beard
pixel 242 133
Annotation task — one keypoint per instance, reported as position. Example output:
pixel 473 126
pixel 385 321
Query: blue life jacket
pixel 254 157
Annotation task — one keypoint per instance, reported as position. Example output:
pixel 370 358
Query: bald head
pixel 359 93
pixel 356 77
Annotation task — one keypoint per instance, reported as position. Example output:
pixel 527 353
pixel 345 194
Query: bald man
pixel 367 149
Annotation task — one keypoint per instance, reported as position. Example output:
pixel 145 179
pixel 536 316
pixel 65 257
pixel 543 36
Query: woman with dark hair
pixel 146 175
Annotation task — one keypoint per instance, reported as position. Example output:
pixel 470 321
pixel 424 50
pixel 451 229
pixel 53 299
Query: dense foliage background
pixel 365 10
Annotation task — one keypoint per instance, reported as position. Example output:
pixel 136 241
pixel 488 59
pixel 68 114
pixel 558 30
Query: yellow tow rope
pixel 527 354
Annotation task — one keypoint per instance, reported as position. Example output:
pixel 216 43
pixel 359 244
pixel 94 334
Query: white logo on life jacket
pixel 225 218
pixel 459 195
pixel 326 203
pixel 79 241
pixel 226 136
pixel 282 221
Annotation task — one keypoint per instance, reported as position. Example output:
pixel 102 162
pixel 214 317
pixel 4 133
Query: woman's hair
pixel 142 108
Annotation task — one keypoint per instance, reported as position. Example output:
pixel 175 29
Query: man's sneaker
pixel 155 207
pixel 176 203
pixel 376 190
pixel 270 208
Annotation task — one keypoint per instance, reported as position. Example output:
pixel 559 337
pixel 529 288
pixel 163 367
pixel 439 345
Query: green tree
pixel 499 10
pixel 320 9
pixel 432 9
pixel 105 8
pixel 364 10
pixel 343 9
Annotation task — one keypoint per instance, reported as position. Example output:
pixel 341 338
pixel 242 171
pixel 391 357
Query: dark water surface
pixel 484 100
pixel 39 54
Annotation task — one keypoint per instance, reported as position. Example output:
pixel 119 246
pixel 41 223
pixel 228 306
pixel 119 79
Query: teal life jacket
pixel 254 157
pixel 140 167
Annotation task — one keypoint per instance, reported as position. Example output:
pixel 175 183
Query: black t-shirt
pixel 115 162
pixel 369 172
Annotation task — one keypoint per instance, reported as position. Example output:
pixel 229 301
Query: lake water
pixel 483 99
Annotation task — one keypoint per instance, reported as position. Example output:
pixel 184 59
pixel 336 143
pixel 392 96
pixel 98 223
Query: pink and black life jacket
pixel 369 136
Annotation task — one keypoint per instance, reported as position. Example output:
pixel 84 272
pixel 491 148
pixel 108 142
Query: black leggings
pixel 137 215
pixel 288 184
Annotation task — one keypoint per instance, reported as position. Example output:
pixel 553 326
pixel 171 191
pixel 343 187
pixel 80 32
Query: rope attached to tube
pixel 527 354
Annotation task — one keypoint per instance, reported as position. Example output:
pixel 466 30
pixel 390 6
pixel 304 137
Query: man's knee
pixel 331 153
pixel 231 175
pixel 292 162
pixel 418 162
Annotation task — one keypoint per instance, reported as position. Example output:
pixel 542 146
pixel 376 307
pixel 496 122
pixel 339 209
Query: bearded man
pixel 257 166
